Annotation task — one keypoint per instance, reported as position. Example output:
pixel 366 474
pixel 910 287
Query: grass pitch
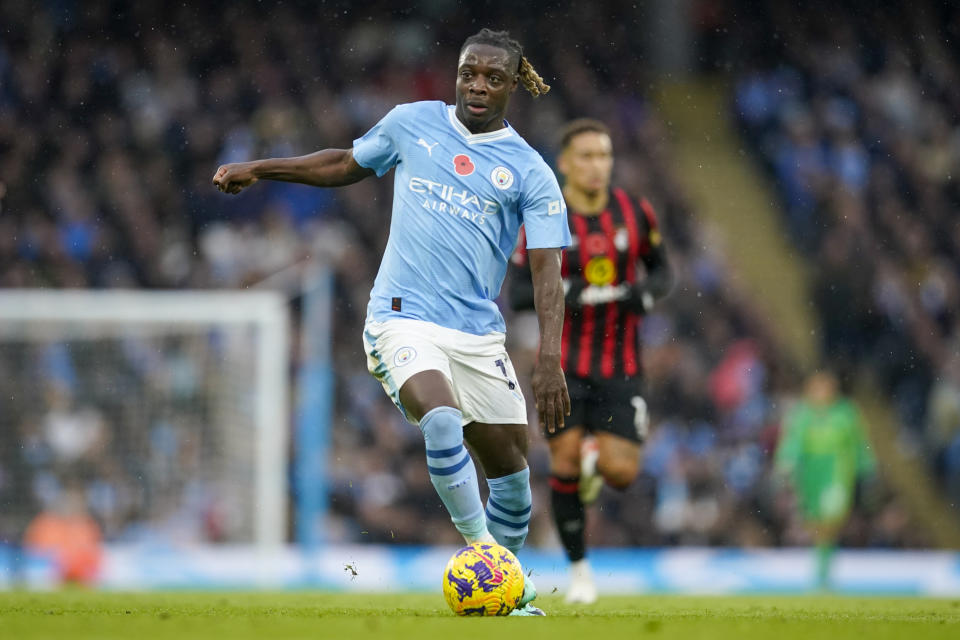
pixel 258 616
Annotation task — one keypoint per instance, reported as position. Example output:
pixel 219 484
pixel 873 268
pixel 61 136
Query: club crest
pixel 404 355
pixel 502 178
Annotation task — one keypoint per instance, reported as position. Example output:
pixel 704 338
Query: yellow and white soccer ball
pixel 483 580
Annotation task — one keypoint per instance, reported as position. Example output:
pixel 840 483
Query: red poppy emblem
pixel 463 165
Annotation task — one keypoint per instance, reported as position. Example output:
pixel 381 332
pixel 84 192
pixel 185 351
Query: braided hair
pixel 531 80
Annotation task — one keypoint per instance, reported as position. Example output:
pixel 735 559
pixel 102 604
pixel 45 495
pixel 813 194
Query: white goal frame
pixel 266 310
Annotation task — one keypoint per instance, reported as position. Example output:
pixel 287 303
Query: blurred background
pixel 800 158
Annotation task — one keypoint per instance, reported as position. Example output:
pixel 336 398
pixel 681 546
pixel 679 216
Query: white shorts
pixel 478 367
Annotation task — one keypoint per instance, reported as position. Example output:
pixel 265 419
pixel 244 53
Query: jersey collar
pixel 477 138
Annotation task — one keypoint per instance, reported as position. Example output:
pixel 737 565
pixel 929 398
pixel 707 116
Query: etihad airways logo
pixel 446 198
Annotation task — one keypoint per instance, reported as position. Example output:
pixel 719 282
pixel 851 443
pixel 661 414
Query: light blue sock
pixel 508 508
pixel 453 473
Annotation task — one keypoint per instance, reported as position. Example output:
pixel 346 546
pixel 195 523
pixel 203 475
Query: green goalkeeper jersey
pixel 823 450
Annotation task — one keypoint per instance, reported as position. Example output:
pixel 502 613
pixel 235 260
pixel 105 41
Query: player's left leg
pixel 495 419
pixel 502 452
pixel 495 415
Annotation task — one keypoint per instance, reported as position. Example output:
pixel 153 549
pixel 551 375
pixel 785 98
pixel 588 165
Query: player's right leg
pixel 495 414
pixel 827 509
pixel 415 373
pixel 569 513
pixel 502 451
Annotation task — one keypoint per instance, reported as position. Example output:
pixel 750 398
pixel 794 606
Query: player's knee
pixel 565 461
pixel 565 456
pixel 618 473
pixel 506 464
pixel 501 449
pixel 441 429
pixel 507 457
pixel 566 467
pixel 514 459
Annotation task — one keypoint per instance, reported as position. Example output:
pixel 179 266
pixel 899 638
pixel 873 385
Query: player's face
pixel 587 162
pixel 484 85
pixel 822 389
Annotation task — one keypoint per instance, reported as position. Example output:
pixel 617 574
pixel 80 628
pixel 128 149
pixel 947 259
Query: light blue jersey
pixel 459 200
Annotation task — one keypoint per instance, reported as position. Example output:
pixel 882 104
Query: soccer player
pixel 613 272
pixel 822 452
pixel 465 182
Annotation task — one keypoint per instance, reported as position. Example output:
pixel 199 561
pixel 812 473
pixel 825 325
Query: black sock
pixel 568 515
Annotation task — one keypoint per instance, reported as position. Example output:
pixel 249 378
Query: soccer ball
pixel 483 580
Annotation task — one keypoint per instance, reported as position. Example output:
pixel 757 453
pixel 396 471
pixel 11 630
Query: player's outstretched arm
pixel 549 384
pixel 327 168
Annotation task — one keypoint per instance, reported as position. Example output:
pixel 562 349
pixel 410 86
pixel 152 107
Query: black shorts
pixel 613 405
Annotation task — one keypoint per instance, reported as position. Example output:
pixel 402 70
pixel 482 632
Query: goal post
pixel 191 390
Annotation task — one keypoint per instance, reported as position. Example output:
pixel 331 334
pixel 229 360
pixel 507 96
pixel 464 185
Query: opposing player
pixel 613 272
pixel 465 182
pixel 822 452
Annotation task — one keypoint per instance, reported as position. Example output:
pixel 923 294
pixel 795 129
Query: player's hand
pixel 550 393
pixel 231 178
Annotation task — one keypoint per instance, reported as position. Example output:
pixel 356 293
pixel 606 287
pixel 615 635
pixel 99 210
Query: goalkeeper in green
pixel 823 450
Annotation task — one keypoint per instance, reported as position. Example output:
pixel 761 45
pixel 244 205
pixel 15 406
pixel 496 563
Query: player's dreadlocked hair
pixel 531 80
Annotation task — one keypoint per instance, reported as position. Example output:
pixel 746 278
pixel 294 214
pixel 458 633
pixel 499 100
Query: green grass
pixel 242 616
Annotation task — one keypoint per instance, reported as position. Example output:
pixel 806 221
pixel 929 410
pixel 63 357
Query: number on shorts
pixel 503 369
pixel 641 417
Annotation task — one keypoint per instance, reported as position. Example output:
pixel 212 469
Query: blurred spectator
pixel 943 426
pixel 69 535
pixel 72 434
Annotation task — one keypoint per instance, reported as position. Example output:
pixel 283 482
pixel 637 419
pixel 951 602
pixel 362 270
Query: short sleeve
pixel 543 210
pixel 377 148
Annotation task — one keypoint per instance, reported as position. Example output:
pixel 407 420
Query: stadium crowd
pixel 112 123
pixel 857 122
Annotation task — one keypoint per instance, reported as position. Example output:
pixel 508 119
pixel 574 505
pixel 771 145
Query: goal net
pixel 163 414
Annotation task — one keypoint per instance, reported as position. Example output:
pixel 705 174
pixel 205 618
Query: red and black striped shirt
pixel 601 341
